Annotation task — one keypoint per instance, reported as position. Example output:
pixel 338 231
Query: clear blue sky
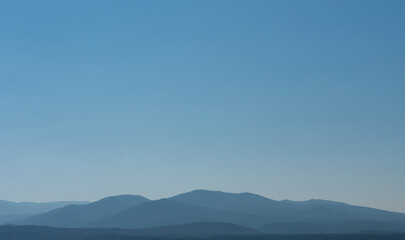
pixel 288 99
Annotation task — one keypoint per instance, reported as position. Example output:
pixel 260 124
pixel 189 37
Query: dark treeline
pixel 47 233
pixel 391 236
pixel 45 236
pixel 368 236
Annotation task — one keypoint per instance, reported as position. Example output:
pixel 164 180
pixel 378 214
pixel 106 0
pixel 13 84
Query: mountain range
pixel 10 211
pixel 75 215
pixel 245 210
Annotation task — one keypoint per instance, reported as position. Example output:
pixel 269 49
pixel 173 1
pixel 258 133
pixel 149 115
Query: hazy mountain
pixel 30 208
pixel 247 203
pixel 167 212
pixel 323 209
pixel 7 218
pixel 315 201
pixel 12 211
pixel 245 209
pixel 241 202
pixel 80 215
pixel 286 211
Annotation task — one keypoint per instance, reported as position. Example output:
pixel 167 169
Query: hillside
pixel 167 212
pixel 245 209
pixel 286 211
pixel 81 215
pixel 26 208
pixel 11 211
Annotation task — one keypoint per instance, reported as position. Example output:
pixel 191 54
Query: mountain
pixel 11 211
pixel 314 201
pixel 245 209
pixel 167 212
pixel 286 211
pixel 80 215
pixel 247 203
pixel 322 210
pixel 7 218
pixel 242 202
pixel 27 208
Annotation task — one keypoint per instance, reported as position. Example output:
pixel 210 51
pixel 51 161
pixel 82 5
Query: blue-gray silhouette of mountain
pixel 247 203
pixel 245 209
pixel 286 211
pixel 7 218
pixel 81 215
pixel 167 212
pixel 8 207
pixel 11 211
pixel 322 210
pixel 228 201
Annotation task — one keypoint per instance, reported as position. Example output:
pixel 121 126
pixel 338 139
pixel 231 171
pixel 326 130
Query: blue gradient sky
pixel 288 99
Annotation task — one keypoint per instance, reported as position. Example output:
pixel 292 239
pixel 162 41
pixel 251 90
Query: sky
pixel 288 99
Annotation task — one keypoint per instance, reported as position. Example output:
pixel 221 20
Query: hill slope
pixel 241 202
pixel 11 211
pixel 286 211
pixel 166 212
pixel 81 215
pixel 246 209
pixel 27 208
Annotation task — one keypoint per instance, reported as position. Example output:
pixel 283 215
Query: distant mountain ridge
pixel 81 215
pixel 285 211
pixel 11 211
pixel 244 209
pixel 8 207
pixel 167 212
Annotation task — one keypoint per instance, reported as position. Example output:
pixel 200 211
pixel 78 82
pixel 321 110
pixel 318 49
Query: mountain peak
pixel 226 201
pixel 219 193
